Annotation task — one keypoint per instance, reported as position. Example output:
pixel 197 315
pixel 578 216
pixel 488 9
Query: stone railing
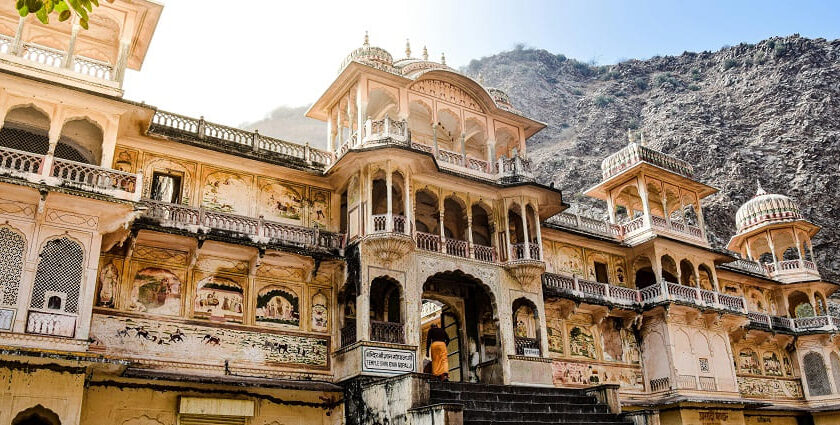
pixel 682 229
pixel 427 241
pixel 791 267
pixel 708 383
pixel 748 266
pixel 198 219
pixel 660 384
pixel 389 223
pixel 66 173
pixel 798 324
pixel 170 124
pixel 457 247
pixel 348 333
pixel 54 58
pixel 687 382
pixel 526 346
pixel 661 292
pixel 51 323
pixel 484 253
pixel 391 332
pixel 635 153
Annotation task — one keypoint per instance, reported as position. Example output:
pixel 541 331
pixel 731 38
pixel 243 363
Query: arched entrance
pixel 38 415
pixel 466 309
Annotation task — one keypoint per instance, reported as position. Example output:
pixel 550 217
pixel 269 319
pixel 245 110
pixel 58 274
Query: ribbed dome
pixel 766 208
pixel 376 57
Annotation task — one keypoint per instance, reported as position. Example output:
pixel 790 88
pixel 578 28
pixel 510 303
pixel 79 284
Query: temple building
pixel 158 269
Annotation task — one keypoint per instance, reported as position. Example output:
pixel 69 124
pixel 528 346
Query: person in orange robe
pixel 436 342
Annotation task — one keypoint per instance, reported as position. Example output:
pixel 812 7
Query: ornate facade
pixel 158 269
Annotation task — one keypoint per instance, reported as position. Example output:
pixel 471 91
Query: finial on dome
pixel 760 190
pixel 443 58
pixel 407 49
pixel 425 54
pixel 367 40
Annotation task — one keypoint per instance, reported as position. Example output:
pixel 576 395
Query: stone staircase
pixel 514 405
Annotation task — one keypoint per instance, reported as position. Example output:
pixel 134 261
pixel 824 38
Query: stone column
pixel 507 229
pixel 526 247
pixel 469 229
pixel 463 141
pixel 330 147
pixel 772 248
pixel 537 226
pixel 644 195
pixel 122 61
pixel 389 219
pixel 409 213
pixel 17 43
pixel 109 144
pixel 701 220
pixel 54 134
pixel 434 138
pixel 441 211
pixel 798 244
pixel 611 208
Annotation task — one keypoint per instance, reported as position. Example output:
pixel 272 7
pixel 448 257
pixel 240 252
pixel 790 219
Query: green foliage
pixel 665 79
pixel 693 87
pixel 729 63
pixel 641 83
pixel 62 9
pixel 696 75
pixel 611 75
pixel 779 50
pixel 603 100
pixel 760 58
pixel 577 92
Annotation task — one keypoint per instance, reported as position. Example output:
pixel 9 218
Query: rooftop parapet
pixel 636 153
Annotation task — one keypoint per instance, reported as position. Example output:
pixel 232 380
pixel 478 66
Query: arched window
pixel 386 312
pixel 12 247
pixel 38 415
pixel 26 128
pixel 669 269
pixel 791 254
pixel 687 277
pixel 426 212
pixel 59 274
pixel 526 330
pixel 815 375
pixel 707 282
pixel 766 258
pixel 800 305
pixel 644 275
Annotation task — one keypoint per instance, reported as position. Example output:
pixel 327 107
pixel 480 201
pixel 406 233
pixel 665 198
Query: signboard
pixel 388 360
pixel 531 352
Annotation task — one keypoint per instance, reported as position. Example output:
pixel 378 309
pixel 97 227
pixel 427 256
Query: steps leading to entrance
pixel 509 405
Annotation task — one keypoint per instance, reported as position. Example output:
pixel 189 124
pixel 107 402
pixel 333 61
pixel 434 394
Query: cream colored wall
pixel 59 391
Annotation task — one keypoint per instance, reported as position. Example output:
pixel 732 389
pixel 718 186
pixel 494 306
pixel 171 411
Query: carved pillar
pixel 330 146
pixel 527 246
pixel 434 138
pixel 463 141
pixel 441 210
pixel 772 247
pixel 537 226
pixel 644 195
pixel 507 229
pixel 701 220
pixel 122 61
pixel 389 219
pixel 54 134
pixel 469 229
pixel 409 212
pixel 109 143
pixel 798 244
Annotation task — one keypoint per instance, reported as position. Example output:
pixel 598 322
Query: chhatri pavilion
pixel 158 269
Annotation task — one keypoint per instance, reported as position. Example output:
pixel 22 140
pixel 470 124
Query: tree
pixel 64 9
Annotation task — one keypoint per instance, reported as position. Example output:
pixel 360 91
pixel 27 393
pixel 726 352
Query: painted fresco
pixel 769 388
pixel 125 160
pixel 525 325
pixel 772 365
pixel 787 365
pixel 320 313
pixel 555 336
pixel 610 330
pixel 109 281
pixel 581 342
pixel 573 373
pixel 156 290
pixel 319 215
pixel 142 338
pixel 219 298
pixel 569 259
pixel 620 277
pixel 748 362
pixel 281 202
pixel 632 353
pixel 278 305
pixel 225 192
pixel 353 195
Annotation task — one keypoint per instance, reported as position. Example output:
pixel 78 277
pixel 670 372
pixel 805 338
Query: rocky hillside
pixel 289 123
pixel 768 112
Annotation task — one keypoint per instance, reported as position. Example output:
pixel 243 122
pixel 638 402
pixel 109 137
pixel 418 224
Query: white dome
pixel 766 208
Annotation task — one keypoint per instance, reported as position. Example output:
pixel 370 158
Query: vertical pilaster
pixel 389 220
pixel 527 245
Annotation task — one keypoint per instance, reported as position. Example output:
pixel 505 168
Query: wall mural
pixel 225 192
pixel 769 388
pixel 748 362
pixel 610 330
pixel 125 160
pixel 555 336
pixel 581 342
pixel 109 281
pixel 278 305
pixel 320 208
pixel 772 365
pixel 148 338
pixel 320 313
pixel 156 290
pixel 219 298
pixel 281 202
pixel 573 373
pixel 570 259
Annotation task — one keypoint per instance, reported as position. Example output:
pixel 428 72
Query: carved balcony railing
pixel 653 294
pixel 791 268
pixel 484 253
pixel 457 247
pixel 389 223
pixel 635 153
pixel 518 251
pixel 660 384
pixel 196 219
pixel 748 266
pixel 799 324
pixel 66 173
pixel 51 323
pixel 708 383
pixel 687 382
pixel 54 58
pixel 390 332
pixel 175 125
pixel 380 222
pixel 348 333
pixel 427 241
pixel 526 346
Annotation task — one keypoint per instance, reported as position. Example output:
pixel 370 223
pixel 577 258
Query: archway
pixel 386 311
pixel 687 277
pixel 644 274
pixel 526 329
pixel 800 305
pixel 475 356
pixel 37 415
pixel 669 269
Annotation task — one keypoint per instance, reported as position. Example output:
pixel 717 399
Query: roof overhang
pixel 809 228
pixel 602 189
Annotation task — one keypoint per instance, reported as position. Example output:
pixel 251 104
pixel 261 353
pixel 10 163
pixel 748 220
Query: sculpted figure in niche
pixel 109 277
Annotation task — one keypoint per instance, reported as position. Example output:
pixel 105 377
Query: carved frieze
pixel 446 91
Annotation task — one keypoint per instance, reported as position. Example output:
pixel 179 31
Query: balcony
pixel 455 247
pixel 387 132
pixel 661 292
pixel 526 346
pixel 70 174
pixel 792 270
pixel 390 332
pixel 201 220
pixel 630 229
pixel 813 324
pixel 635 153
pixel 389 239
pixel 51 323
pixel 348 333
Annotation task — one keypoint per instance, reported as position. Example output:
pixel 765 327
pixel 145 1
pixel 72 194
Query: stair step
pixel 525 407
pixel 508 397
pixel 551 417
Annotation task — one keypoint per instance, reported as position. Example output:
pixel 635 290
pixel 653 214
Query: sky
pixel 236 64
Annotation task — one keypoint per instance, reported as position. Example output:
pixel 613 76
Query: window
pixel 59 274
pixel 601 274
pixel 815 375
pixel 54 303
pixel 166 187
pixel 704 365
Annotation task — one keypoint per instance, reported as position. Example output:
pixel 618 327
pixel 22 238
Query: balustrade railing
pixel 25 162
pixel 687 382
pixel 94 177
pixel 399 223
pixel 578 286
pixel 484 253
pixel 748 266
pixel 55 58
pixel 427 241
pixel 380 222
pixel 526 346
pixel 660 384
pixel 51 323
pixel 451 157
pixel 348 333
pixel 799 324
pixel 633 225
pixel 391 332
pixel 182 216
pixel 457 247
pixel 708 383
pixel 518 251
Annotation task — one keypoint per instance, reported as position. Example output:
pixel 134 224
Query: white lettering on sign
pixel 387 360
pixel 531 352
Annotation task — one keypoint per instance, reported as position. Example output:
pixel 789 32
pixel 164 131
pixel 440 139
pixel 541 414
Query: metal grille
pixel 815 375
pixel 65 151
pixel 60 271
pixel 11 265
pixel 24 140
